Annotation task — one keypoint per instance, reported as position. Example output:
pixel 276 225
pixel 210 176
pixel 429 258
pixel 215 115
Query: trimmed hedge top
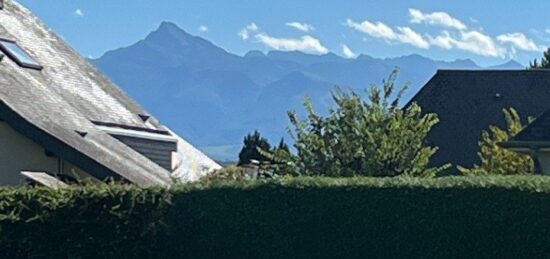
pixel 524 183
pixel 521 182
pixel 21 203
pixel 449 217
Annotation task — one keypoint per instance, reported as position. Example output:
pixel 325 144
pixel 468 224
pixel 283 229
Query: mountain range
pixel 214 98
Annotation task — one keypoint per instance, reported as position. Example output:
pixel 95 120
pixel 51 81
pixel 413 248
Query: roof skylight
pixel 18 55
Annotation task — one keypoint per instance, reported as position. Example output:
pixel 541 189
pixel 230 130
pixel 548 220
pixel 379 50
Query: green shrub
pixel 447 217
pixel 359 137
pixel 496 160
pixel 230 173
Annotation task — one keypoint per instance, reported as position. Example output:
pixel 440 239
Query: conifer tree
pixel 544 61
pixel 253 142
pixel 282 146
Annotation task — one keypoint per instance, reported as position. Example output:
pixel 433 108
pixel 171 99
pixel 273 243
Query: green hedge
pixel 293 218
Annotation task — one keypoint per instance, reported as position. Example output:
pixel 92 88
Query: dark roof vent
pixel 81 133
pixel 144 117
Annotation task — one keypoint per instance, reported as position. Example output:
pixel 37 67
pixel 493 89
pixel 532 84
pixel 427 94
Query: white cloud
pixel 542 35
pixel 79 12
pixel 203 28
pixel 301 26
pixel 513 53
pixel 245 32
pixel 376 29
pixel 436 18
pixel 348 53
pixel 475 41
pixel 479 43
pixel 380 30
pixel 471 41
pixel 407 35
pixel 520 41
pixel 252 27
pixel 305 43
pixel 444 40
pixel 456 36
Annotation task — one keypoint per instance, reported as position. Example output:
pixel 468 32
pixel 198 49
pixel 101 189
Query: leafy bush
pixel 241 173
pixel 448 217
pixel 234 173
pixel 497 160
pixel 362 138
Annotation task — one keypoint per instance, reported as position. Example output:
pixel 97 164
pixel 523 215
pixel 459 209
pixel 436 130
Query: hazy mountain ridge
pixel 214 98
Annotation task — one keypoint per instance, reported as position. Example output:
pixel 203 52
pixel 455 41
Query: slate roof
pixel 53 104
pixel 468 101
pixel 537 134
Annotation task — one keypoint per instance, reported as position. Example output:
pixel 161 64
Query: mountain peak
pixel 170 38
pixel 167 23
pixel 464 63
pixel 511 64
pixel 514 63
pixel 255 54
pixel 170 28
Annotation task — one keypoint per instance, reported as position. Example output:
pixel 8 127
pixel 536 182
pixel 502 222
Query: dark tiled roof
pixel 468 101
pixel 537 131
pixel 64 98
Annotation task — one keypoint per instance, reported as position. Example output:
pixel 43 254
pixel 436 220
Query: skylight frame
pixel 13 56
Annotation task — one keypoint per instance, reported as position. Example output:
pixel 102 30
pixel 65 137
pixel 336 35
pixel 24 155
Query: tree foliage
pixel 496 160
pixel 253 142
pixel 282 146
pixel 358 137
pixel 544 61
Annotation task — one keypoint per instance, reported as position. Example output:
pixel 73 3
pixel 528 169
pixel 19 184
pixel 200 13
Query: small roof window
pixel 18 55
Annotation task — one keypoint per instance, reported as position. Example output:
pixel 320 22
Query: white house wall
pixel 544 160
pixel 18 153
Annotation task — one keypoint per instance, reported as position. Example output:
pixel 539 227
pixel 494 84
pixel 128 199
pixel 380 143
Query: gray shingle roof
pixel 537 134
pixel 468 101
pixel 66 96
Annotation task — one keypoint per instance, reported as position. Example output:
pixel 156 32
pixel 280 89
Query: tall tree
pixel 253 142
pixel 496 160
pixel 544 61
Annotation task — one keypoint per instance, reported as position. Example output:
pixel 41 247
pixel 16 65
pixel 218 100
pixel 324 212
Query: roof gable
pixel 538 130
pixel 67 96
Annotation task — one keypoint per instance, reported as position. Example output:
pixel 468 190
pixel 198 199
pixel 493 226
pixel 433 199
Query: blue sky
pixel 489 32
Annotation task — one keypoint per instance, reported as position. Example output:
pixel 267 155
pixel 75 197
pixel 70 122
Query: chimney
pixel 1 4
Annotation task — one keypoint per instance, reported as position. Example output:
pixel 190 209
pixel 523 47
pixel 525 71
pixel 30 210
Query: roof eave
pixel 62 149
pixel 525 144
